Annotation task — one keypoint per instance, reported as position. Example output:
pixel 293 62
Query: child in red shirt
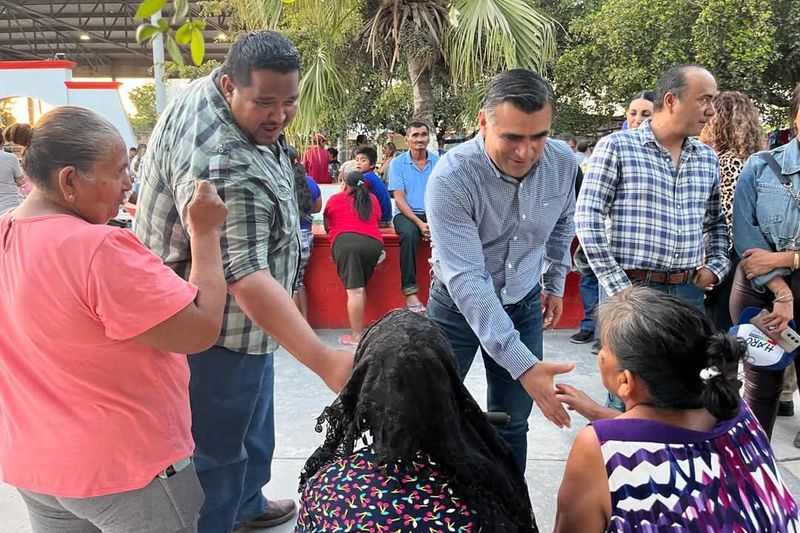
pixel 351 219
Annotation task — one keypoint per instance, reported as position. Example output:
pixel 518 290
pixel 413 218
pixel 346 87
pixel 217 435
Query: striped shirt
pixel 659 219
pixel 495 238
pixel 196 138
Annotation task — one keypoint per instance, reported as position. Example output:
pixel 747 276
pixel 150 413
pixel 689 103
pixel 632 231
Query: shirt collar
pixel 219 106
pixel 791 157
pixel 406 156
pixel 646 135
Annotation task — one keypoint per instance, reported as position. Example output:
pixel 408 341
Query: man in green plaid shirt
pixel 225 128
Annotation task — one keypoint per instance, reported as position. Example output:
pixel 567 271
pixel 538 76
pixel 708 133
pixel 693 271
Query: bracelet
pixel 796 260
pixel 786 298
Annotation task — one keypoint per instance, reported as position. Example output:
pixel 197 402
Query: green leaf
pixel 163 25
pixel 184 33
pixel 174 50
pixel 149 8
pixel 181 10
pixel 145 32
pixel 198 47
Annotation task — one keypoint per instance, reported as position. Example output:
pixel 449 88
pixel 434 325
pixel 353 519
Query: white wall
pixel 108 103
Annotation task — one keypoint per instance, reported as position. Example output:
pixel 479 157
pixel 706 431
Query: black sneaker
pixel 786 408
pixel 596 347
pixel 582 337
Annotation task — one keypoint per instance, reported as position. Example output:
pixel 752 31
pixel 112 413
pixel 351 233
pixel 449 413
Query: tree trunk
pixel 420 73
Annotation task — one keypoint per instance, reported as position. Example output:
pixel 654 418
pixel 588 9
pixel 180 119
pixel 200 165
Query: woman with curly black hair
pixel 407 445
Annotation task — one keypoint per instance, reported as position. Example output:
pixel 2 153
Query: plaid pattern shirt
pixel 658 219
pixel 197 138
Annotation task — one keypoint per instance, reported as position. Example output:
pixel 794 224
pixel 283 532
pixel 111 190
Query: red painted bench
pixel 327 301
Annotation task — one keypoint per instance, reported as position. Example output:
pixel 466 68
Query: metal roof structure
pixel 98 35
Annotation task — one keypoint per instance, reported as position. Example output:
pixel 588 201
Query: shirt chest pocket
pixel 285 222
pixel 778 216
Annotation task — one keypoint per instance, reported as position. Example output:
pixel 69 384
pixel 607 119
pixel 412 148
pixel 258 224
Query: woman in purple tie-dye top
pixel 687 454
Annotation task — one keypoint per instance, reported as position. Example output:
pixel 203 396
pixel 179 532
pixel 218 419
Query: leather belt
pixel 655 276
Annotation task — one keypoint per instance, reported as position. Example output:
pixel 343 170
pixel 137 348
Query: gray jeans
pixel 166 505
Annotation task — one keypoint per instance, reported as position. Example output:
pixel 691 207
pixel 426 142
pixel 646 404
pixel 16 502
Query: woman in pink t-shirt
pixel 351 219
pixel 94 404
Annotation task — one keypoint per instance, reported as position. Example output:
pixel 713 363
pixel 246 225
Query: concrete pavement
pixel 300 396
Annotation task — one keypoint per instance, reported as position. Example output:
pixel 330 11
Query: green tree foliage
pixel 622 46
pixel 144 99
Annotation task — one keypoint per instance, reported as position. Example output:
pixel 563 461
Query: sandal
pixel 347 340
pixel 415 308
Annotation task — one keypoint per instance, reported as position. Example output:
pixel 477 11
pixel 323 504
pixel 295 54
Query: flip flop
pixel 347 340
pixel 415 308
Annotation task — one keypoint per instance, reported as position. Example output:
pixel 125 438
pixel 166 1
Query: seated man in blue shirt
pixel 366 157
pixel 408 178
pixel 500 208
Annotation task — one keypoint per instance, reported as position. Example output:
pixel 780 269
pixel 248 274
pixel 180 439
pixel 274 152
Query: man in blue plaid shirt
pixel 649 209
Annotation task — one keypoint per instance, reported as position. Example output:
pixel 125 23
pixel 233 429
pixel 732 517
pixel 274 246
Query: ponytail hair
pixel 720 394
pixel 674 349
pixel 358 190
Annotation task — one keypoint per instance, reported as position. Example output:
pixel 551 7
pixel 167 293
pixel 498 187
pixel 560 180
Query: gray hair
pixel 672 81
pixel 65 136
pixel 666 341
pixel 525 89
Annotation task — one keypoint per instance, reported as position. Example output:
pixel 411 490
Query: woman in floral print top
pixel 434 462
pixel 355 494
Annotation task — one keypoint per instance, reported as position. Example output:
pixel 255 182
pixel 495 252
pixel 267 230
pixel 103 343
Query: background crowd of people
pixel 680 216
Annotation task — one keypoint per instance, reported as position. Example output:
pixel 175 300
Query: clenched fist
pixel 206 212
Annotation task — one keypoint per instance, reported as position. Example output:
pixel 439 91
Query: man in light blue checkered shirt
pixel 500 210
pixel 649 209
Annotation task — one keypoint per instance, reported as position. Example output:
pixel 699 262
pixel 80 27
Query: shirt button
pixel 510 266
pixel 676 255
pixel 514 238
pixel 504 291
pixel 524 216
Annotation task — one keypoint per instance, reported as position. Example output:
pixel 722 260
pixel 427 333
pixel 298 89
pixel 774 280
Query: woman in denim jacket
pixel 766 234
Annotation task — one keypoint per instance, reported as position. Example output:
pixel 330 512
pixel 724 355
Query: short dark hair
pixel 525 89
pixel 583 145
pixel 370 152
pixel 260 50
pixel 794 107
pixel 361 139
pixel 416 123
pixel 672 81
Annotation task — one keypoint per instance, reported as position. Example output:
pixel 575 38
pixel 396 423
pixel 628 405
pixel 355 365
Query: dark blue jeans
pixel 588 289
pixel 233 425
pixel 687 291
pixel 504 393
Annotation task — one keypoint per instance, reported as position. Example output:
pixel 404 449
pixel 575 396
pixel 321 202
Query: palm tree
pixel 472 38
pixel 469 39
